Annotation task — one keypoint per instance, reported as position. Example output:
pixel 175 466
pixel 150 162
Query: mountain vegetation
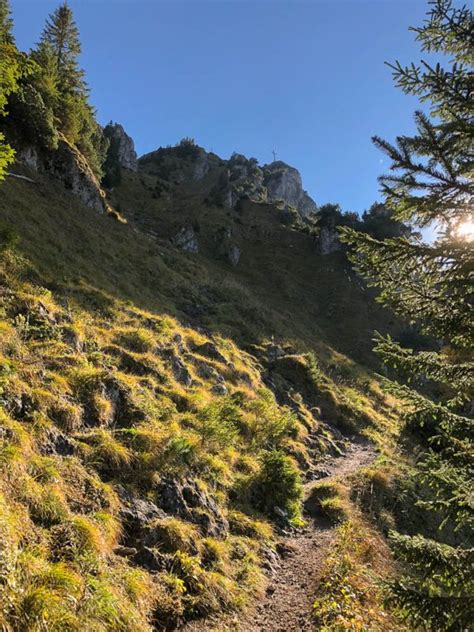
pixel 195 431
pixel 431 285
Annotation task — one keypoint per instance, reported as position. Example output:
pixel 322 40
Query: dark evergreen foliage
pixel 61 83
pixel 6 23
pixel 431 285
pixel 112 169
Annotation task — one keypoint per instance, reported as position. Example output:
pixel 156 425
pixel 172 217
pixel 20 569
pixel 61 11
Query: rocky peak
pixel 186 162
pixel 125 148
pixel 240 177
pixel 284 183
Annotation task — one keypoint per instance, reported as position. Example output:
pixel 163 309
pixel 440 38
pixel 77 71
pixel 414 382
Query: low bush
pixel 278 485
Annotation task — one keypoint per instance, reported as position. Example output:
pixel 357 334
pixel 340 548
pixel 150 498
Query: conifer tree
pixel 61 39
pixel 13 66
pixel 431 180
pixel 61 83
pixel 6 23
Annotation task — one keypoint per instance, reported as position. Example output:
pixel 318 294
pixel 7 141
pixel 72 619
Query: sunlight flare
pixel 465 230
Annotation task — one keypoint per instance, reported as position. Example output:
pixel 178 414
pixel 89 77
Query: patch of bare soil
pixel 291 590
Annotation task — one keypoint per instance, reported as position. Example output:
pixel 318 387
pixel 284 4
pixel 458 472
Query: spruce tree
pixel 61 37
pixel 430 284
pixel 6 23
pixel 61 83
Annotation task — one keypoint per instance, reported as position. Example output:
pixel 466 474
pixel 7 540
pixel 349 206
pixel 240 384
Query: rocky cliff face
pixel 68 165
pixel 276 182
pixel 125 147
pixel 284 183
pixel 329 241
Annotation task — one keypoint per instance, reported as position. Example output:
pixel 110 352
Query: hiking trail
pixel 291 590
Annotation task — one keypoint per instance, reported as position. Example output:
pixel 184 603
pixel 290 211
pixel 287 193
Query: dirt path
pixel 291 590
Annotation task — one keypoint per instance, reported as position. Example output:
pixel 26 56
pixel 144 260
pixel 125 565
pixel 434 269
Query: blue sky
pixel 305 78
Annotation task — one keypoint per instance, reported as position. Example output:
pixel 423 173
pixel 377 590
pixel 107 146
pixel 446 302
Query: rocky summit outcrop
pixel 242 179
pixel 124 146
pixel 276 182
pixel 284 183
pixel 173 166
pixel 238 178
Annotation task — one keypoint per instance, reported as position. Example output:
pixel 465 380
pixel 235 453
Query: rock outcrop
pixel 29 156
pixel 187 500
pixel 329 240
pixel 175 165
pixel 124 146
pixel 284 183
pixel 240 178
pixel 186 239
pixel 68 165
pixel 227 249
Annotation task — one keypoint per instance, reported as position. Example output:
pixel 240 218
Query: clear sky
pixel 305 78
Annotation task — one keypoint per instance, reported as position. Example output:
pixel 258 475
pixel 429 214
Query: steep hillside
pixel 167 385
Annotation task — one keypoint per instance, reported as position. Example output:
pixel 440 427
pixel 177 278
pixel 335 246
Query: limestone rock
pixel 227 249
pixel 68 165
pixel 180 372
pixel 126 154
pixel 329 241
pixel 284 183
pixel 245 180
pixel 220 390
pixel 152 559
pixel 29 156
pixel 186 239
pixel 233 254
pixel 56 443
pixel 136 514
pixel 185 499
pixel 175 165
pixel 209 350
pixel 201 166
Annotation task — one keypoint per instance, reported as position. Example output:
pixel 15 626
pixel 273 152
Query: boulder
pixel 226 248
pixel 180 371
pixel 152 559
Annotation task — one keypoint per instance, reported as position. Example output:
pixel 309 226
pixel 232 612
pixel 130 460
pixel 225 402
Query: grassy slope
pixel 88 303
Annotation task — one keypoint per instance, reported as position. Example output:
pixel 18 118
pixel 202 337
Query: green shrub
pixel 329 499
pixel 218 424
pixel 314 370
pixel 279 485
